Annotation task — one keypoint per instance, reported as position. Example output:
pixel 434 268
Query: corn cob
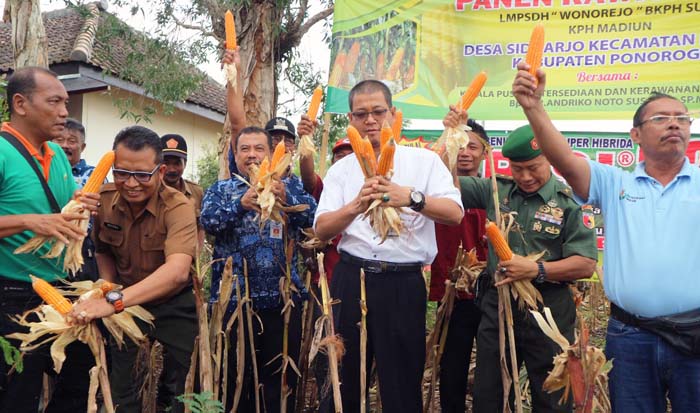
pixel 337 71
pixel 392 72
pixel 472 91
pixel 277 155
pixel 379 72
pixel 386 134
pixel 499 243
pixel 398 123
pixel 230 27
pixel 99 173
pixel 351 60
pixel 315 103
pixel 535 50
pixel 386 158
pixel 51 295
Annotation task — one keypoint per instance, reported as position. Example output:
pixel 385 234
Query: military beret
pixel 521 145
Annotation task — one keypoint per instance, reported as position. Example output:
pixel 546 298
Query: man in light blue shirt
pixel 650 255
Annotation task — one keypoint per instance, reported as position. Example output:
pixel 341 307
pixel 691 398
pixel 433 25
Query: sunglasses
pixel 376 114
pixel 123 175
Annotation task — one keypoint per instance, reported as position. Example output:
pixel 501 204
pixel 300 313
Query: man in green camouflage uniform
pixel 547 220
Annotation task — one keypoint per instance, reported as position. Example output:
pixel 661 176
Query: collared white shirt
pixel 419 168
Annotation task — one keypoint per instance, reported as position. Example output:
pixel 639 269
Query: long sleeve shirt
pixel 239 235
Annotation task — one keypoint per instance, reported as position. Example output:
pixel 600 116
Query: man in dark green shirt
pixel 547 220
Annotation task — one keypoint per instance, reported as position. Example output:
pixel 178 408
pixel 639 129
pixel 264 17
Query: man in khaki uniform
pixel 548 219
pixel 146 237
pixel 175 161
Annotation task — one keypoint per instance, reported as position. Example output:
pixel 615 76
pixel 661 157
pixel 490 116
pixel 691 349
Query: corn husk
pixel 73 260
pixel 306 147
pixel 450 142
pixel 271 208
pixel 231 73
pixel 581 369
pixel 311 242
pixel 466 270
pixel 52 326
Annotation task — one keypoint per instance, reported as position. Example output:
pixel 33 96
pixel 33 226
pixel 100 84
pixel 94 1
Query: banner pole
pixel 323 157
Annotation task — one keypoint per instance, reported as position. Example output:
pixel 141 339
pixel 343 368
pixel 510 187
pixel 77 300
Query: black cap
pixel 174 145
pixel 280 125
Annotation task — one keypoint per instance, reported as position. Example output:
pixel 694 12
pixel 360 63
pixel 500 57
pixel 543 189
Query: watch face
pixel 416 197
pixel 113 296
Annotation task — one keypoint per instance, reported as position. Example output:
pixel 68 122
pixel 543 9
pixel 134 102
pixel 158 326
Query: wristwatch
pixel 541 273
pixel 115 298
pixel 416 200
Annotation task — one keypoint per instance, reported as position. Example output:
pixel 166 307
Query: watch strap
pixel 541 273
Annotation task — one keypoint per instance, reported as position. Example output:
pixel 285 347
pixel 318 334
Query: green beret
pixel 521 145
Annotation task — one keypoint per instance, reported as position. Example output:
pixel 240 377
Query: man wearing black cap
pixel 282 129
pixel 546 219
pixel 175 160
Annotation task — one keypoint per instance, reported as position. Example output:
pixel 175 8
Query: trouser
pixel 647 371
pixel 454 365
pixel 20 392
pixel 268 331
pixel 175 327
pixel 533 348
pixel 395 335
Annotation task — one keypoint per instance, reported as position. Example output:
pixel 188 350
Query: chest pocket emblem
pixel 552 230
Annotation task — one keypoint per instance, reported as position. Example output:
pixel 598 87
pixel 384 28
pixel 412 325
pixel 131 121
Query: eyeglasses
pixel 376 114
pixel 659 120
pixel 123 175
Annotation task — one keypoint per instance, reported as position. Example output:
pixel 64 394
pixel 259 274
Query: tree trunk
pixel 29 43
pixel 257 48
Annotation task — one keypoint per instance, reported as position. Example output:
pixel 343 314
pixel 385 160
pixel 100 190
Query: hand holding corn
pixel 306 126
pixel 59 226
pixel 527 89
pixel 249 200
pixel 455 118
pixel 517 268
pixel 399 196
pixel 91 309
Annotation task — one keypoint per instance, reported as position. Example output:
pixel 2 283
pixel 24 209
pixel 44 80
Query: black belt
pixel 623 316
pixel 374 266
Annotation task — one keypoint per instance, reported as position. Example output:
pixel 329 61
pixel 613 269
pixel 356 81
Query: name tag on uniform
pixel 275 230
pixel 113 226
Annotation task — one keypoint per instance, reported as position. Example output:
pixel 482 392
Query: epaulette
pixel 108 187
pixel 504 177
pixel 566 191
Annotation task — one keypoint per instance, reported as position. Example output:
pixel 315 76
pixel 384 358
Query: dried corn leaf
pixel 73 259
pixel 231 73
pixel 306 147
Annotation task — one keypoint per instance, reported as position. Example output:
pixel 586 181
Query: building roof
pixel 72 38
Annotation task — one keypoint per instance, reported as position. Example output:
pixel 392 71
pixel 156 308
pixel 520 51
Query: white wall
pixel 102 122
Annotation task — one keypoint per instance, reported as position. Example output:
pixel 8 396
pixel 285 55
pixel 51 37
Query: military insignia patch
pixel 552 230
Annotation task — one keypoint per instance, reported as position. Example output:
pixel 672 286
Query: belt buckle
pixel 373 266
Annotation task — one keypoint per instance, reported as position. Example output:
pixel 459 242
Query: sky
pixel 320 57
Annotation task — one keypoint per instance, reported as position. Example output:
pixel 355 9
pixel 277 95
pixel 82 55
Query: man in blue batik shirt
pixel 230 213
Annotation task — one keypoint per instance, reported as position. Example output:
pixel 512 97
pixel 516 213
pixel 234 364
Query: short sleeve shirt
pixel 547 220
pixel 194 193
pixel 140 245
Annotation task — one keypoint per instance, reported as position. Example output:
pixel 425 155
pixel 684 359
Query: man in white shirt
pixel 396 292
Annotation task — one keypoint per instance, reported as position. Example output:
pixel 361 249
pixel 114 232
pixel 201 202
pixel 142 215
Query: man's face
pixel 659 136
pixel 44 110
pixel 289 141
pixel 531 175
pixel 136 192
pixel 368 113
pixel 251 148
pixel 340 154
pixel 470 157
pixel 174 168
pixel 73 144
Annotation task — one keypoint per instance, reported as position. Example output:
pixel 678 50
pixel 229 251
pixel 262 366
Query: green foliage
pixel 208 168
pixel 11 355
pixel 201 403
pixel 4 110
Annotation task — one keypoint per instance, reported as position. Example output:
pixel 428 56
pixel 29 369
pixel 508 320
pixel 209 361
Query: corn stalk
pixel 251 337
pixel 363 343
pixel 505 312
pixel 306 336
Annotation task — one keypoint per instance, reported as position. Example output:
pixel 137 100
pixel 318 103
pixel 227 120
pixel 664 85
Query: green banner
pixel 602 58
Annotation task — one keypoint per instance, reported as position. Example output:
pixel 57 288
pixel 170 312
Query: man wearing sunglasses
pixel 651 258
pixel 146 238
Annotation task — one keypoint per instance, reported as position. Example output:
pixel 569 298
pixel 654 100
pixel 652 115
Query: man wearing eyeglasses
pixel 396 294
pixel 651 257
pixel 146 238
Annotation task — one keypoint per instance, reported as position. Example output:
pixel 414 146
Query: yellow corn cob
pixel 337 71
pixel 99 173
pixel 355 140
pixel 499 243
pixel 277 155
pixel 472 91
pixel 230 28
pixel 51 295
pixel 386 134
pixel 386 158
pixel 379 73
pixel 391 73
pixel 535 50
pixel 315 103
pixel 398 123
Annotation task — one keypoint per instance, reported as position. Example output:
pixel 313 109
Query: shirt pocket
pixel 153 251
pixel 112 237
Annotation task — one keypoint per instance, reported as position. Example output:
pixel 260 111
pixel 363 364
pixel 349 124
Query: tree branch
pixel 313 20
pixel 291 38
pixel 184 25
